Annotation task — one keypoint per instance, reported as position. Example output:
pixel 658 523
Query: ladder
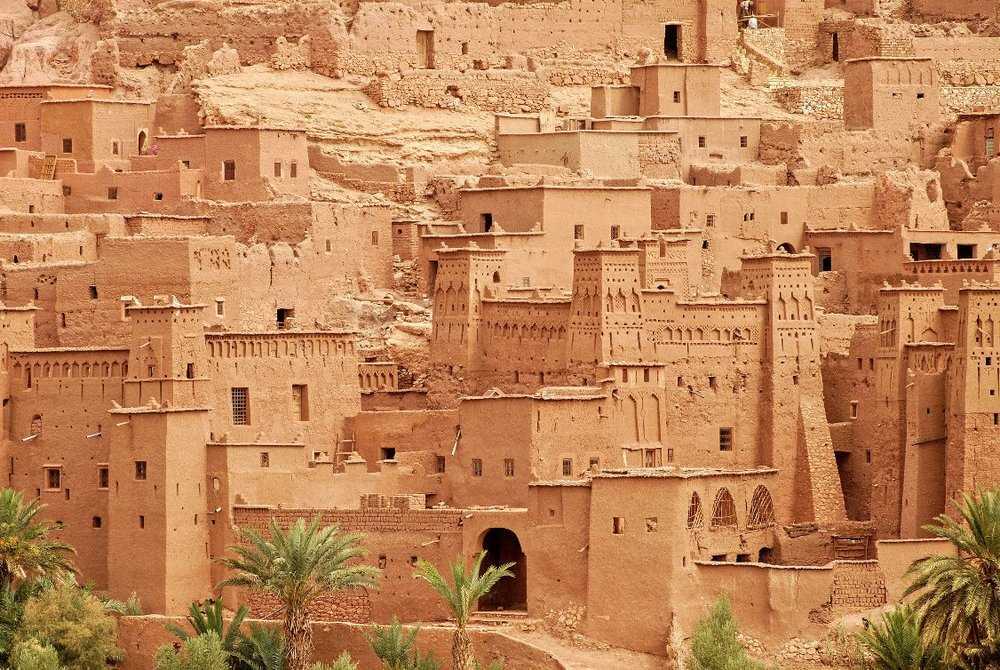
pixel 49 167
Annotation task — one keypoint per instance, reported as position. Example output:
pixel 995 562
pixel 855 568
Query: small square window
pixel 615 232
pixel 293 169
pixel 744 141
pixel 784 218
pixel 725 439
pixel 618 525
pixel 382 561
pixel 578 232
pixel 508 467
pixel 228 170
pixel 67 145
pixel 374 238
pixel 595 462
pixel 854 409
pixel 114 148
pixel 158 196
pixel 651 524
pixel 265 459
pixel 142 521
pixel 220 307
pixel 567 467
pixel 677 96
pixel 103 478
pixel 53 479
pixel 920 96
pixel 702 142
pixel 92 291
pixel 20 132
pixel 440 464
pixel 713 383
pixel 709 220
pixel 277 169
pixel 477 467
pixel 96 522
pixel 112 193
pixel 140 470
pixel 241 405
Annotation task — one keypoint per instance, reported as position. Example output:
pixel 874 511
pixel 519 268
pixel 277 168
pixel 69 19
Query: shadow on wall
pixel 140 637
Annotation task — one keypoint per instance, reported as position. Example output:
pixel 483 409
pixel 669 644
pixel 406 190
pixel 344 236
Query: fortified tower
pixel 974 403
pixel 795 436
pixel 465 276
pixel 606 317
pixel 157 465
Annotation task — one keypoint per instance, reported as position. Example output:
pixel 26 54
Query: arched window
pixel 761 509
pixel 724 510
pixel 696 519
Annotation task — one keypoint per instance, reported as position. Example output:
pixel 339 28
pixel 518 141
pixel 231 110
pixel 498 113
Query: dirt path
pixel 575 658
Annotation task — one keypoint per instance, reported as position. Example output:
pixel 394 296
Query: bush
pixel 715 644
pixel 396 648
pixel 895 643
pixel 74 623
pixel 343 662
pixel 30 655
pixel 203 652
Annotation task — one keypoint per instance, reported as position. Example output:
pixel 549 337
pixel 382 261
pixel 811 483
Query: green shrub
pixel 202 652
pixel 715 643
pixel 31 655
pixel 343 662
pixel 895 643
pixel 74 623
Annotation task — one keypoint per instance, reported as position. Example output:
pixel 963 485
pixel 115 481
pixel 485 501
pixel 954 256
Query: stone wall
pixel 963 99
pixel 857 586
pixel 506 91
pixel 821 100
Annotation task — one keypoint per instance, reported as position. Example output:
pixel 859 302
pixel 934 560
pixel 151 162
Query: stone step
pixel 499 618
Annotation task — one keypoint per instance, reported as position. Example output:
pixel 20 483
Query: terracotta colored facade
pixel 625 293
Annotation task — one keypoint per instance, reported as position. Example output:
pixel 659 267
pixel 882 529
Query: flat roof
pixel 889 58
pixel 108 101
pixel 557 187
pixel 680 473
pixel 256 127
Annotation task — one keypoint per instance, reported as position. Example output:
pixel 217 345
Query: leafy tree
pixel 395 647
pixel 201 652
pixel 895 643
pixel 74 623
pixel 957 598
pixel 13 598
pixel 715 644
pixel 461 596
pixel 208 617
pixel 298 566
pixel 26 550
pixel 31 655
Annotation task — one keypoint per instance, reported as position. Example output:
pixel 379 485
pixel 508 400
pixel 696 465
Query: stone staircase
pixel 501 618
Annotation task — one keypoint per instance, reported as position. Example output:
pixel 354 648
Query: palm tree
pixel 957 598
pixel 298 566
pixel 895 643
pixel 26 550
pixel 210 618
pixel 461 598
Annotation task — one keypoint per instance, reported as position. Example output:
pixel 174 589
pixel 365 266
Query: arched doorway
pixel 142 142
pixel 786 247
pixel 511 593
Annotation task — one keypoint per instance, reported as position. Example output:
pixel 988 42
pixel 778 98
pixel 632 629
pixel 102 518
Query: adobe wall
pixel 851 152
pixel 399 183
pixel 140 637
pixel 31 195
pixel 895 557
pixel 508 91
pixel 393 536
pixel 407 432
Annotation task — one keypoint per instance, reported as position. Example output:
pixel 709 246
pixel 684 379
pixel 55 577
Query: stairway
pixel 48 167
pixel 498 618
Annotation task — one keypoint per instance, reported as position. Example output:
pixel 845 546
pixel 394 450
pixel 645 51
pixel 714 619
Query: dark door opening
pixel 765 555
pixel 487 221
pixel 425 49
pixel 142 142
pixel 925 252
pixel 511 593
pixel 672 41
pixel 284 317
pixel 836 47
